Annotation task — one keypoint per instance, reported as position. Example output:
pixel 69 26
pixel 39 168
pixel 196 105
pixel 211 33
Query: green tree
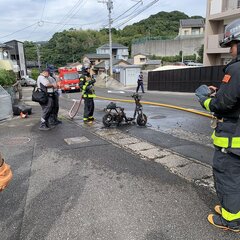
pixel 200 54
pixel 35 73
pixel 7 78
pixel 30 51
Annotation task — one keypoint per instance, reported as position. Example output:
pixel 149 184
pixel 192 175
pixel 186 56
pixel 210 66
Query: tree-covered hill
pixel 70 45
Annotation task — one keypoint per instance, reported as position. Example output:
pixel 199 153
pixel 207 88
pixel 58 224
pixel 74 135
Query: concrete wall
pixel 168 47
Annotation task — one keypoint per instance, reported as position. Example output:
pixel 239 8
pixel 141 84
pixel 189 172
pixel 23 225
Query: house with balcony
pixel 118 51
pixel 17 54
pixel 5 58
pixel 219 14
pixel 191 27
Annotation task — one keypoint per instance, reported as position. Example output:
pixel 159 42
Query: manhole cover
pixel 14 141
pixel 158 117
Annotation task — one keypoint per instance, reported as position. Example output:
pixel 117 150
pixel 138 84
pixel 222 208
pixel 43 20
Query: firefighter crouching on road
pixel 225 105
pixel 88 94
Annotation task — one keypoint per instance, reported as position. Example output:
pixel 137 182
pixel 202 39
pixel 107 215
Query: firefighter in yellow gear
pixel 225 105
pixel 88 93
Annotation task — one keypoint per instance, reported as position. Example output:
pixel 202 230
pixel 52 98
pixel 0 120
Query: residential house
pixel 189 41
pixel 191 27
pixel 5 61
pixel 219 14
pixel 17 54
pixel 140 58
pixel 94 58
pixel 118 51
pixel 117 63
pixel 76 65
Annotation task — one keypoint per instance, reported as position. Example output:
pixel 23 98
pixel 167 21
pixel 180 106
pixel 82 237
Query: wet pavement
pixel 75 182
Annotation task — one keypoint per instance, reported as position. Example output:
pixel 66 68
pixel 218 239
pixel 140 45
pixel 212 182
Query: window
pixel 142 59
pixel 195 31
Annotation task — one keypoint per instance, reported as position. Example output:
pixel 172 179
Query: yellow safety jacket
pixel 88 90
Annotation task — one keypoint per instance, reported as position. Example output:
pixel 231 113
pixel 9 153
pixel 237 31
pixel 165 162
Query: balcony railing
pixel 228 5
pixel 213 44
pixel 221 6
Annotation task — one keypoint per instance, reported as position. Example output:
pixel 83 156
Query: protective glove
pixel 92 81
pixel 89 87
pixel 5 176
pixel 203 92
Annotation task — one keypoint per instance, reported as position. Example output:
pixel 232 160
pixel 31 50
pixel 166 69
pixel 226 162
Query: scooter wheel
pixel 142 120
pixel 107 120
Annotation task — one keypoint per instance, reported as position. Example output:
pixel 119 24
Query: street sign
pixel 106 64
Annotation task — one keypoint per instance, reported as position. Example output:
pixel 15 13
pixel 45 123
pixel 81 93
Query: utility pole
pixel 110 7
pixel 38 58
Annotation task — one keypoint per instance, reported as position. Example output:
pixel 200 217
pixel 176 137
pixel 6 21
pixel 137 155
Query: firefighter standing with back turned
pixel 225 105
pixel 88 94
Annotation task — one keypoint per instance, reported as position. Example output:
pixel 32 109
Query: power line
pixel 137 13
pixel 43 10
pixel 20 30
pixel 110 7
pixel 74 14
pixel 115 19
pixel 64 17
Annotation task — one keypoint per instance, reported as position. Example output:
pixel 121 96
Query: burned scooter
pixel 116 115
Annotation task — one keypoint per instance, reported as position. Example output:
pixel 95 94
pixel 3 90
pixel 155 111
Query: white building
pixel 219 14
pixel 118 51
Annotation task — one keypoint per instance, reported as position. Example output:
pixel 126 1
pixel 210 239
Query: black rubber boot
pixel 43 126
pixel 218 221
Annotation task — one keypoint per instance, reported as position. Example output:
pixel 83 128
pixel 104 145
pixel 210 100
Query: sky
pixel 38 20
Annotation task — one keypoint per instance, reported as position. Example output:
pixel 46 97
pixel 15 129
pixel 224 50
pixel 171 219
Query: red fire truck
pixel 68 79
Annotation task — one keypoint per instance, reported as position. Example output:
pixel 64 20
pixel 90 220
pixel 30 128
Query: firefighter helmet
pixel 231 34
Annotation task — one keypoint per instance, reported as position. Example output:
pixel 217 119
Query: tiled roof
pixel 115 62
pixel 114 45
pixel 192 22
pixel 97 56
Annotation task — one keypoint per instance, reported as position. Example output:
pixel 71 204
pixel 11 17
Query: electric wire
pixel 74 10
pixel 137 13
pixel 20 30
pixel 130 14
pixel 43 10
pixel 63 18
pixel 119 17
pixel 41 22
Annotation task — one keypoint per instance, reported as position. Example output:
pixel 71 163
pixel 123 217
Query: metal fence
pixel 185 80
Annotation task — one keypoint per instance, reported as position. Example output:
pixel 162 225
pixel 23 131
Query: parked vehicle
pixel 68 79
pixel 27 81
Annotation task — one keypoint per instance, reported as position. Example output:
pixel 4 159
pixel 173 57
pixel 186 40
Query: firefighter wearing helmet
pixel 88 93
pixel 224 103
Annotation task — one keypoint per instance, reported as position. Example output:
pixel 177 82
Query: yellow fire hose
pixel 160 105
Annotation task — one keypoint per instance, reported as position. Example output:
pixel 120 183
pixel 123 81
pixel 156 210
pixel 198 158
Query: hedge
pixel 7 78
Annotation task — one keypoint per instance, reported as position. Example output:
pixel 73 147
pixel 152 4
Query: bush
pixel 35 73
pixel 7 78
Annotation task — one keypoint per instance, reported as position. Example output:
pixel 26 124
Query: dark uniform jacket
pixel 226 107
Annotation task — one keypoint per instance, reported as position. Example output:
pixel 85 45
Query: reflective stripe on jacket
pixel 226 105
pixel 88 90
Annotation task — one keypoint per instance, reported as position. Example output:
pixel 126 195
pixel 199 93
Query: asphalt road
pixel 186 133
pixel 94 189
